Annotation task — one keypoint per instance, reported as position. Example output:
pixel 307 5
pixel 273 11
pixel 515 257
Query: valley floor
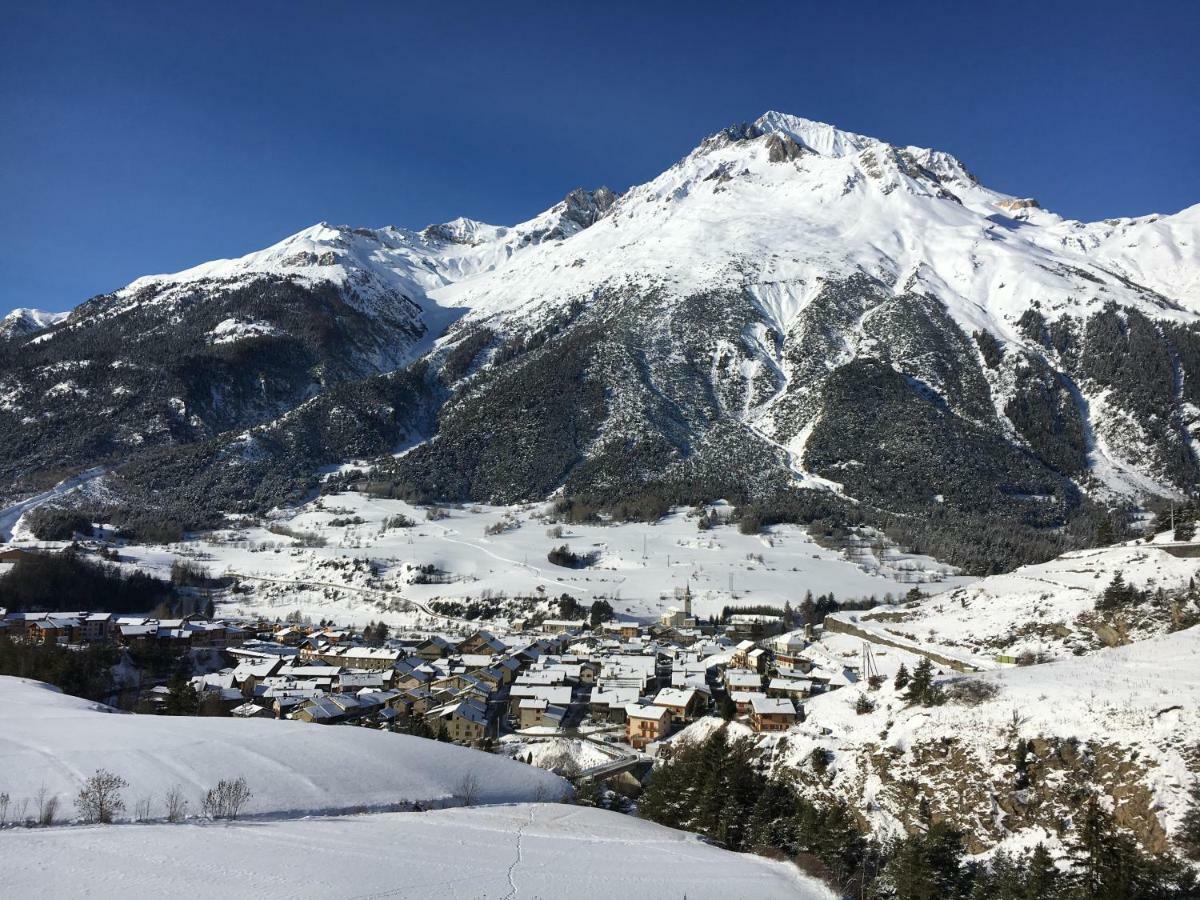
pixel 638 566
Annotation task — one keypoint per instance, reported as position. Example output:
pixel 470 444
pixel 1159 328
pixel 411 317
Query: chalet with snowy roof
pixel 563 626
pixel 741 652
pixel 535 712
pixel 465 721
pixel 742 700
pixel 609 706
pixel 129 635
pixel 54 628
pixel 626 631
pixel 685 704
pixel 357 681
pixel 788 647
pixel 790 688
pixel 323 710
pixel 250 710
pixel 434 647
pixel 754 626
pixel 646 724
pixel 743 680
pixel 556 694
pixel 772 713
pixel 482 642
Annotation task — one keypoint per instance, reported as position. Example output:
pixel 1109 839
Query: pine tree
pixel 1189 830
pixel 1041 875
pixel 921 684
pixel 1105 863
pixel 182 698
pixel 728 707
pixel 902 677
pixel 1185 528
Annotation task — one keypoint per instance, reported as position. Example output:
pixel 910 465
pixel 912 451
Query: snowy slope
pixel 292 768
pixel 1122 721
pixel 521 851
pixel 1033 609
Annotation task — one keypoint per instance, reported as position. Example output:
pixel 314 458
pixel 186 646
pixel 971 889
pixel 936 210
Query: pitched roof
pixel 772 705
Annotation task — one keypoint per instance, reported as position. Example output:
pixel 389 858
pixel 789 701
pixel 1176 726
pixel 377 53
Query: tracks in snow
pixel 512 884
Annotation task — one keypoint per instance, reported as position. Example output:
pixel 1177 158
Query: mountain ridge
pixel 744 324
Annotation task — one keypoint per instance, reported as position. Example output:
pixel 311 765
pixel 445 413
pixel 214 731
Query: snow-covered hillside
pixel 1008 755
pixel 55 741
pixel 520 851
pixel 1035 610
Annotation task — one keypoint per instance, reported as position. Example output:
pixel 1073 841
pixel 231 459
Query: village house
pixel 741 653
pixel 788 647
pixel 772 714
pixel 790 688
pixel 626 631
pixel 753 626
pixel 685 705
pixel 465 721
pixel 609 706
pixel 97 627
pixel 538 713
pixel 646 724
pixel 557 695
pixel 742 700
pixel 434 647
pixel 481 642
pixel 743 680
pixel 562 626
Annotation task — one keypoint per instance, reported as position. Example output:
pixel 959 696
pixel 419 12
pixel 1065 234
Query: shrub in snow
pixel 971 691
pixel 227 799
pixel 176 805
pixel 100 800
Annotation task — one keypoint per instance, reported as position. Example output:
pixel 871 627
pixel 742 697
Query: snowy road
pixel 10 515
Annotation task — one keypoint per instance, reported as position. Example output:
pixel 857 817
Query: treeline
pixel 85 672
pixel 715 788
pixel 563 556
pixel 66 581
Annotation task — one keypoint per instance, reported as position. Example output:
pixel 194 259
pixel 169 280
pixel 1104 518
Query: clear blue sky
pixel 144 137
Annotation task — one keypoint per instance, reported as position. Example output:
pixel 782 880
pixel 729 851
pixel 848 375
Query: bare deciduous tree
pixel 176 805
pixel 100 800
pixel 226 800
pixel 47 806
pixel 141 809
pixel 468 788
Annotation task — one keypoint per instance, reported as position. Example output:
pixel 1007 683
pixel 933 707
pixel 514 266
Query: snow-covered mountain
pixel 23 322
pixel 789 305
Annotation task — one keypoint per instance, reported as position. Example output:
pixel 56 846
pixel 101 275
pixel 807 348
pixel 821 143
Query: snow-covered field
pixel 520 851
pixel 638 566
pixel 51 740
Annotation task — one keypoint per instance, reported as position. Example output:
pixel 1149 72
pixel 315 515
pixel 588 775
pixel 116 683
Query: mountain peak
pixel 820 137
